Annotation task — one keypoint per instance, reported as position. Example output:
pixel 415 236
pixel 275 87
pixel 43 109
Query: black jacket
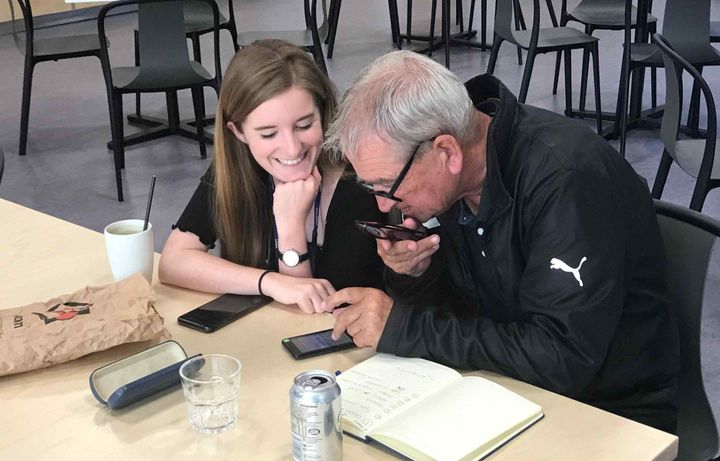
pixel 504 292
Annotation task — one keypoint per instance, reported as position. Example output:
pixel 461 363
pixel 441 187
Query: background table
pixel 50 413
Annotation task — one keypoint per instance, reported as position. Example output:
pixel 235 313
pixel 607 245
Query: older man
pixel 548 263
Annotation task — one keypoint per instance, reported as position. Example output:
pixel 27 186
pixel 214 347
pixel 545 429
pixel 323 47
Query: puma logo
pixel 558 264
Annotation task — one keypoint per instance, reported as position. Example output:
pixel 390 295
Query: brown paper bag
pixel 67 327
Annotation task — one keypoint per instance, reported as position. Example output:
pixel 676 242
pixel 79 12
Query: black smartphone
pixel 317 343
pixel 221 311
pixel 390 232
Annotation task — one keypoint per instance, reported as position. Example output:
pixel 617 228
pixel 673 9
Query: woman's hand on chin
pixel 292 201
pixel 307 293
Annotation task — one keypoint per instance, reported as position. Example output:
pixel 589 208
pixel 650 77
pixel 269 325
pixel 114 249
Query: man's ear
pixel 234 129
pixel 451 154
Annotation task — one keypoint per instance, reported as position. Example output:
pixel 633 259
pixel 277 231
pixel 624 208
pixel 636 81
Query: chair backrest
pixel 689 239
pixel 674 67
pixel 504 25
pixel 161 28
pixel 686 24
pixel 22 25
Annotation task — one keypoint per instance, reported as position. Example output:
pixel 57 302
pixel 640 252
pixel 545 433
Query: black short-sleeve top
pixel 347 258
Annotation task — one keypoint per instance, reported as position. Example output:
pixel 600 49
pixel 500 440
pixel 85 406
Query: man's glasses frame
pixel 390 194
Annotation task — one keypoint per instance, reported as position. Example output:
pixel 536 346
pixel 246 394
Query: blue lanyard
pixel 313 242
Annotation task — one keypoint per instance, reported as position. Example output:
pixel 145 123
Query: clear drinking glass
pixel 211 384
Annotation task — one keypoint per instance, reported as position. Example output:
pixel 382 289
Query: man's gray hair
pixel 405 98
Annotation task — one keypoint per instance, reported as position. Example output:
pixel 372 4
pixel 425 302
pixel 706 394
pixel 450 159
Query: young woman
pixel 281 208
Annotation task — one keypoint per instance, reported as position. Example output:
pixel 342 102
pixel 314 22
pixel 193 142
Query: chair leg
pixel 497 41
pixel 558 58
pixel 408 25
pixel 693 120
pixel 445 4
pixel 395 24
pixel 556 77
pixel 199 106
pixel 197 56
pixel 136 41
pixel 433 15
pixel 700 191
pixel 483 20
pixel 662 174
pixel 621 110
pixel 319 58
pixel 25 108
pixel 584 72
pixel 584 78
pixel 596 84
pixel 568 82
pixel 459 17
pixel 335 12
pixel 653 87
pixel 117 140
pixel 525 85
pixel 519 24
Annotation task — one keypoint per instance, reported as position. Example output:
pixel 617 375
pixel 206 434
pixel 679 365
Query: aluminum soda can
pixel 315 417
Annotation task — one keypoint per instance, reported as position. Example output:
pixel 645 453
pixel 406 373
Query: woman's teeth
pixel 291 162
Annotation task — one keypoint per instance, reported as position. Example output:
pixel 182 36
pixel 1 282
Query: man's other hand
pixel 364 319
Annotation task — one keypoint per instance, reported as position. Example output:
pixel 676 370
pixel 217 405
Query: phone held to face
pixel 221 311
pixel 390 232
pixel 317 343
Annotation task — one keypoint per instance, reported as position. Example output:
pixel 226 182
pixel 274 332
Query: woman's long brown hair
pixel 241 198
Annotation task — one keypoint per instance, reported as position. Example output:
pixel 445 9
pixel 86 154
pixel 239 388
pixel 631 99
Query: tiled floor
pixel 69 173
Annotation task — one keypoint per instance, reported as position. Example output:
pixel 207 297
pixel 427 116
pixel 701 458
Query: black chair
pixel 41 49
pixel 544 40
pixel 697 157
pixel 198 22
pixel 689 239
pixel 311 38
pixel 165 66
pixel 686 24
pixel 601 15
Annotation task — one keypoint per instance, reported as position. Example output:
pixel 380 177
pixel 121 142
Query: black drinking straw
pixel 149 203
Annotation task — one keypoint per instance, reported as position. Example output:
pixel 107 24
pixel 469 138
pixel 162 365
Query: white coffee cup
pixel 130 249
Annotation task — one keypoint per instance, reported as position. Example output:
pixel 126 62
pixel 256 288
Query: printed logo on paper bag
pixel 64 311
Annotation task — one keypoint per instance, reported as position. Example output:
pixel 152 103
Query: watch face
pixel 291 258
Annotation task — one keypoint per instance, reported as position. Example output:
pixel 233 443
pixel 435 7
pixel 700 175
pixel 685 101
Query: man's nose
pixel 384 204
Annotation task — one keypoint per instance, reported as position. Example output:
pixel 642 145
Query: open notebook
pixel 428 411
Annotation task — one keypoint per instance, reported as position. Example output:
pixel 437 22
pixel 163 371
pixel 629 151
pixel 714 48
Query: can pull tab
pixel 313 382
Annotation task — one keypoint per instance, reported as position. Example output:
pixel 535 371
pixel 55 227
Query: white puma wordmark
pixel 558 264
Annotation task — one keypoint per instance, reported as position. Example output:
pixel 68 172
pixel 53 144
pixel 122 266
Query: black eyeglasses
pixel 390 194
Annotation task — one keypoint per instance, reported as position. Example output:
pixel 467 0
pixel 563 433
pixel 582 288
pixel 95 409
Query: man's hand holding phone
pixel 408 257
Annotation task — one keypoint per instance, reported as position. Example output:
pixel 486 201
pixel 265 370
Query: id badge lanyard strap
pixel 313 242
